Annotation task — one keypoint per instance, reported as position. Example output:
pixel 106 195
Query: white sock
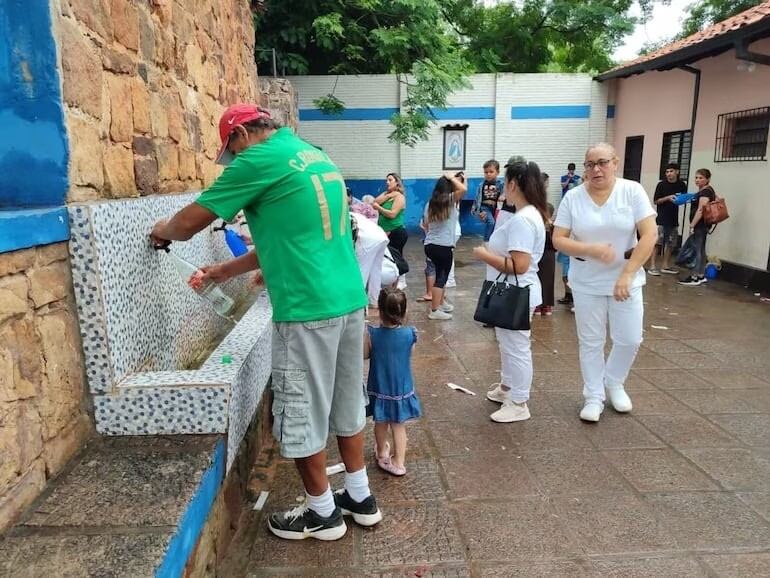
pixel 357 485
pixel 322 505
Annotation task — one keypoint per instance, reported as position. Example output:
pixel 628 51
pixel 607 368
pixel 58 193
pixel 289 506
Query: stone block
pixel 146 174
pixel 182 23
pixel 28 434
pixel 125 22
pixel 20 361
pixel 78 194
pixel 95 14
pixel 140 102
pixel 47 254
pixel 193 58
pixel 175 113
pixel 168 162
pixel 119 172
pixel 82 70
pixel 63 375
pixel 193 131
pixel 49 284
pixel 158 116
pixel 187 170
pixel 165 44
pixel 13 296
pixel 21 494
pixel 16 261
pixel 207 170
pixel 121 109
pixel 85 153
pixel 118 62
pixel 146 37
pixel 164 10
pixel 58 450
pixel 143 146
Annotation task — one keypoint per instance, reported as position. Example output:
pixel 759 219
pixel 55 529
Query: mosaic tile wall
pixel 130 296
pixel 141 326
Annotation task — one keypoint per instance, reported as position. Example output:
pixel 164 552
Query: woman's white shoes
pixel 510 412
pixel 619 399
pixel 592 411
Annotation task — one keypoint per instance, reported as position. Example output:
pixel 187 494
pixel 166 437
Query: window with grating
pixel 742 135
pixel 677 147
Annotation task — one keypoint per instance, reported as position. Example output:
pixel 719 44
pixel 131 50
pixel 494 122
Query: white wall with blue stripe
pixel 548 118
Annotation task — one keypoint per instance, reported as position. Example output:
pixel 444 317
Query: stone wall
pixel 278 95
pixel 43 417
pixel 144 84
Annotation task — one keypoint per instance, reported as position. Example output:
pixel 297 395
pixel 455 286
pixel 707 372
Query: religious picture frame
pixel 454 147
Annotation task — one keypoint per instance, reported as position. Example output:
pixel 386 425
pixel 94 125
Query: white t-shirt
pixel 370 235
pixel 524 232
pixel 614 223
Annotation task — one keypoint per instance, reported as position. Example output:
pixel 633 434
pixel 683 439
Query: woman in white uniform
pixel 517 245
pixel 597 225
pixel 371 243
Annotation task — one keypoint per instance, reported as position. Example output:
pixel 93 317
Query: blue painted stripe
pixel 32 227
pixel 551 111
pixel 450 113
pixel 610 111
pixel 348 114
pixel 184 541
pixel 465 113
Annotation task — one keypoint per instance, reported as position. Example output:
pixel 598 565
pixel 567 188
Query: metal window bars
pixel 742 135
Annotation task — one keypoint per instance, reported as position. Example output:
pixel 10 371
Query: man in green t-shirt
pixel 295 204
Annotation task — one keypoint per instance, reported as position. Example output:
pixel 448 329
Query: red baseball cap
pixel 233 116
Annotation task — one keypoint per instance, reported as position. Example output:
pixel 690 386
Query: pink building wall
pixel 653 103
pixel 650 104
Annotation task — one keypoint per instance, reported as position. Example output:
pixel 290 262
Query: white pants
pixel 370 263
pixel 515 361
pixel 592 313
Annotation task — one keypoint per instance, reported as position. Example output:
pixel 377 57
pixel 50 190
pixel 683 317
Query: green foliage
pixel 704 13
pixel 432 45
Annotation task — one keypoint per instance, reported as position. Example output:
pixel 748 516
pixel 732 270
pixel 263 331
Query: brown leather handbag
pixel 715 211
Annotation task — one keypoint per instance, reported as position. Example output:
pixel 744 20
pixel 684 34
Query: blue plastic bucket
pixel 711 271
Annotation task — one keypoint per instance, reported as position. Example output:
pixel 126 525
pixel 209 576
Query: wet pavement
pixel 680 487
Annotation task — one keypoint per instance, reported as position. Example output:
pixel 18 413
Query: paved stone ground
pixel 681 487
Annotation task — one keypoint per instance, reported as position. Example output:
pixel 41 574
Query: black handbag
pixel 504 305
pixel 397 258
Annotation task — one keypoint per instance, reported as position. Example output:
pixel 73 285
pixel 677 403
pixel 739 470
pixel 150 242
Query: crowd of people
pixel 338 259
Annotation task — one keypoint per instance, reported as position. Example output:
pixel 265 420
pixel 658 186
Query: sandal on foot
pixel 424 298
pixel 390 467
pixel 377 455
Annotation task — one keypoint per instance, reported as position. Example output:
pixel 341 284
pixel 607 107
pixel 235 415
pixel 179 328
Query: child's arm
pixel 367 345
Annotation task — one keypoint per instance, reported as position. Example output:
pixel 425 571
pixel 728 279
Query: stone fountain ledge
pixel 139 322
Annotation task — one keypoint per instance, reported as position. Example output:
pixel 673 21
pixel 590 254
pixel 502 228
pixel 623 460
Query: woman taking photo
pixel 440 223
pixel 597 225
pixel 391 205
pixel 698 227
pixel 517 246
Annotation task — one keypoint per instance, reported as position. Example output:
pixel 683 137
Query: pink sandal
pixel 388 466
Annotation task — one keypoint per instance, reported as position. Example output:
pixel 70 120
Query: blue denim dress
pixel 390 384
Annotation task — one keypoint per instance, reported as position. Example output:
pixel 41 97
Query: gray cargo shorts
pixel 318 369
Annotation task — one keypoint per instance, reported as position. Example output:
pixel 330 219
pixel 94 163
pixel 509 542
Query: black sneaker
pixel 693 281
pixel 364 513
pixel 302 522
pixel 566 300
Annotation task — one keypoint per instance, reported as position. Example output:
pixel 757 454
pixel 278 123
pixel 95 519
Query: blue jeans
pixel 489 221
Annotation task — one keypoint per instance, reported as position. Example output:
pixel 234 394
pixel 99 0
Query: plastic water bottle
pixel 221 303
pixel 236 245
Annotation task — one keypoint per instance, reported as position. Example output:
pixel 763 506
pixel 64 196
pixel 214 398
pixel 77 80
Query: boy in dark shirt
pixel 668 219
pixel 487 196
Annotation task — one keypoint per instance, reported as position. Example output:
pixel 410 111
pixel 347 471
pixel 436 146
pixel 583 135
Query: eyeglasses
pixel 602 163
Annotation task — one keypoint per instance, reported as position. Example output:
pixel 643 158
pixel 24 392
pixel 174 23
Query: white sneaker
pixel 498 394
pixel 447 307
pixel 669 271
pixel 592 411
pixel 510 412
pixel 619 399
pixel 439 315
pixel 450 283
pixel 654 272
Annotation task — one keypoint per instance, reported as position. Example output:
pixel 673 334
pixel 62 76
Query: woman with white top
pixel 440 221
pixel 596 225
pixel 517 245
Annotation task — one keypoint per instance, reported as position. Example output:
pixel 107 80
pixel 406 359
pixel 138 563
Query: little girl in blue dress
pixel 392 399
